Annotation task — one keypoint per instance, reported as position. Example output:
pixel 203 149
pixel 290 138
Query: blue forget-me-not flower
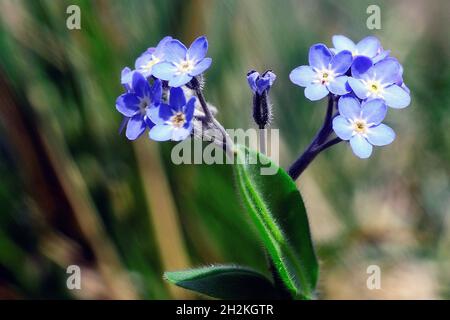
pixel 361 77
pixel 173 121
pixel 145 63
pixel 379 81
pixel 325 73
pixel 361 125
pixel 182 64
pixel 135 103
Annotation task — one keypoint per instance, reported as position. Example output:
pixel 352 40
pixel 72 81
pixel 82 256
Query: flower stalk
pixel 320 142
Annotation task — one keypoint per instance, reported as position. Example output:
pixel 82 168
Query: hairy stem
pixel 209 118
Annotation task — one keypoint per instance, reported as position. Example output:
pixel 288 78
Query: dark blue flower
pixel 361 124
pixel 325 73
pixel 135 104
pixel 259 83
pixel 382 80
pixel 182 64
pixel 173 121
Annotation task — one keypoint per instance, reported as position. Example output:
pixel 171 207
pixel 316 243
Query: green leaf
pixel 224 282
pixel 277 210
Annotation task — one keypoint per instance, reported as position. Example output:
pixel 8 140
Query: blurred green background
pixel 73 191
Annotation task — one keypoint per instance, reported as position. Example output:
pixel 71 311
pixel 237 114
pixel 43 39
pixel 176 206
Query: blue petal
pixel 380 135
pixel 125 71
pixel 143 59
pixel 319 56
pixel 164 70
pixel 141 62
pixel 251 79
pixel 405 87
pixel 159 115
pixel 179 80
pixel 369 46
pixel 160 48
pixel 302 76
pixel 349 107
pixel 399 80
pixel 358 88
pixel 343 43
pixel 150 50
pixel 177 99
pixel 341 62
pixel 383 54
pixel 127 104
pixel 270 76
pixel 135 127
pixel 174 51
pixel 165 112
pixel 153 114
pixel 189 109
pixel 140 85
pixel 262 84
pixel 161 132
pixel 373 111
pixel 201 67
pixel 316 91
pixel 387 71
pixel 198 49
pixel 182 133
pixel 360 146
pixel 148 122
pixel 360 67
pixel 342 128
pixel 339 86
pixel 126 78
pixel 156 92
pixel 396 97
pixel 164 41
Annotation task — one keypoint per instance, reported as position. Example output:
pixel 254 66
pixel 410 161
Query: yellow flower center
pixel 375 88
pixel 185 66
pixel 325 76
pixel 360 126
pixel 178 119
pixel 148 67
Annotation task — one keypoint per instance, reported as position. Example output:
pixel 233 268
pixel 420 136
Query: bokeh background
pixel 74 191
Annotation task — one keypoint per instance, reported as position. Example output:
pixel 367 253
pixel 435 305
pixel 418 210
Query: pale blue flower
pixel 325 73
pixel 379 81
pixel 182 64
pixel 360 124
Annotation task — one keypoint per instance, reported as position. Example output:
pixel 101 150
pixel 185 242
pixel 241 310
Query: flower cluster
pixel 155 90
pixel 361 79
pixel 365 80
